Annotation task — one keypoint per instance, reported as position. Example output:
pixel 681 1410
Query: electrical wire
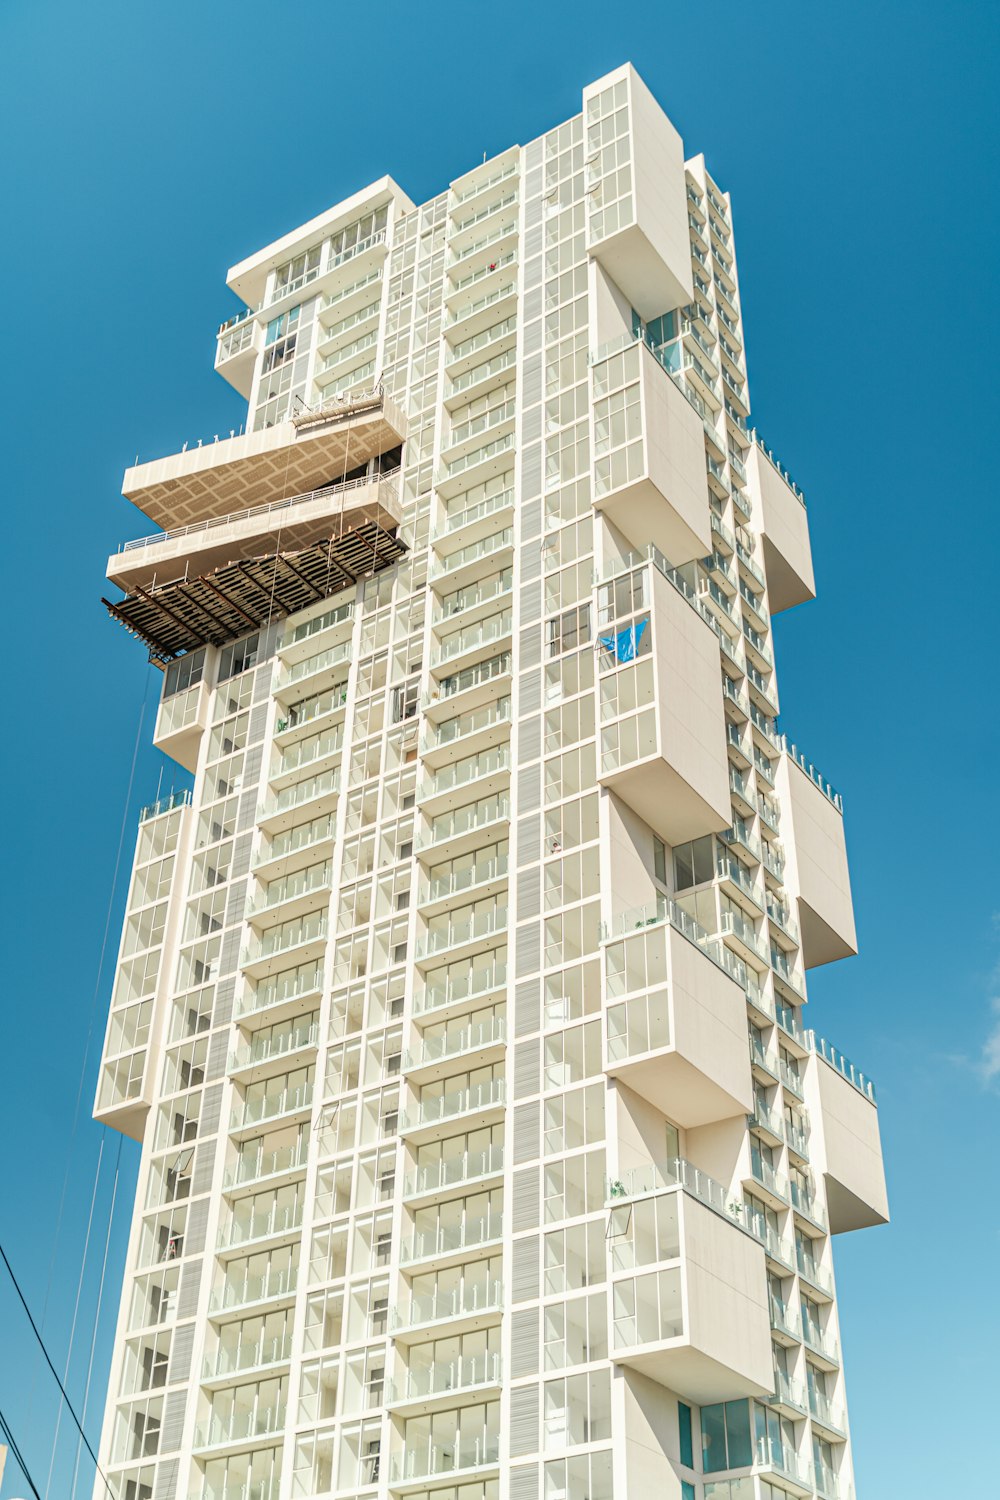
pixel 76 1308
pixel 97 1310
pixel 55 1373
pixel 18 1456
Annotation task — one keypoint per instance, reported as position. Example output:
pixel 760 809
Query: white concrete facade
pixel 487 1151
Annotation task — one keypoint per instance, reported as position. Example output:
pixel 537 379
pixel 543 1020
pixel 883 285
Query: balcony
pixel 441 1386
pixel 465 829
pixel 281 1222
pixel 237 1359
pixel 471 645
pixel 465 1307
pixel 239 1429
pixel 663 733
pixel 781 517
pixel 649 454
pixel 817 859
pixel 282 1104
pixel 682 1046
pixel 461 937
pixel 706 1333
pixel 292 895
pixel 461 528
pixel 236 354
pixel 258 1166
pixel 485 1040
pixel 486 877
pixel 421 1463
pixel 453 1244
pixel 237 1296
pixel 434 1117
pixel 465 734
pixel 293 524
pixel 441 1179
pixel 642 242
pixel 293 942
pixel 450 995
pixel 181 720
pixel 318 793
pixel 484 775
pixel 851 1150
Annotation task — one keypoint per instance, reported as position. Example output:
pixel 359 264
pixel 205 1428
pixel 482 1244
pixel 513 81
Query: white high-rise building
pixel 488 1149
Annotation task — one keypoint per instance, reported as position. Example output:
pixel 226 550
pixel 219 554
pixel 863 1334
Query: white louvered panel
pixel 527 1131
pixel 166 1483
pixel 531 338
pixel 531 424
pixel 211 1110
pixel 525 1214
pixel 524 1342
pixel 181 1347
pixel 525 1277
pixel 187 1297
pixel 527 1007
pixel 530 644
pixel 529 949
pixel 173 1421
pixel 218 1052
pixel 204 1168
pixel 225 994
pixel 529 739
pixel 529 788
pixel 529 698
pixel 197 1224
pixel 529 892
pixel 531 376
pixel 527 1062
pixel 523 1420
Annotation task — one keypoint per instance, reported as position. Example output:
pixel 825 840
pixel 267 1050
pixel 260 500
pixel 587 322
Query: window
pixel 725 1436
pixel 684 1433
pixel 184 673
pixel 238 657
pixel 569 630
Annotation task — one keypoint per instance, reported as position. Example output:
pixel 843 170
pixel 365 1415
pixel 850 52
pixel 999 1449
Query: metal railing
pixel 255 511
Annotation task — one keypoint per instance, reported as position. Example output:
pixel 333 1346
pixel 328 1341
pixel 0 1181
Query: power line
pixel 55 1374
pixel 18 1457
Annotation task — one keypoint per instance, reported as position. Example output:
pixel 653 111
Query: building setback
pixel 488 1150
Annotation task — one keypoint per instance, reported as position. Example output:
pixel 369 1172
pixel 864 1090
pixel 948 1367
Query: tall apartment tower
pixel 487 1150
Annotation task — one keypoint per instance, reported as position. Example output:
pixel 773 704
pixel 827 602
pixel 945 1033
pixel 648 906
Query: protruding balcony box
pixel 641 239
pixel 653 486
pixel 672 769
pixel 239 343
pixel 180 721
pixel 845 1117
pixel 681 1044
pixel 284 525
pixel 309 452
pixel 715 1337
pixel 780 514
pixel 816 860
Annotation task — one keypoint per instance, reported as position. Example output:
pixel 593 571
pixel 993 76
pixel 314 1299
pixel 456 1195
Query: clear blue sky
pixel 148 147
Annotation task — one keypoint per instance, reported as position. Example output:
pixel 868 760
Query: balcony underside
pixel 229 601
pixel 306 453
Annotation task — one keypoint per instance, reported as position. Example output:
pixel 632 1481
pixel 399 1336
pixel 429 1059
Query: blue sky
pixel 147 148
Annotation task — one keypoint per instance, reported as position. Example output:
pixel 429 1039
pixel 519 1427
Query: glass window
pixel 684 1429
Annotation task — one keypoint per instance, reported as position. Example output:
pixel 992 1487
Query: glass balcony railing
pixel 456 1042
pixel 307 752
pixel 321 785
pixel 824 1410
pixel 297 840
pixel 239 1426
pixel 463 725
pixel 267 1106
pixel 445 1239
pixel 480 304
pixel 277 990
pixel 475 552
pixel 334 656
pixel 284 939
pixel 438 1107
pixel 457 988
pixel 442 887
pixel 840 1064
pixel 465 1300
pixel 786 1390
pixel 464 772
pixel 783 1319
pixel 471 1166
pixel 249 1290
pixel 231 1359
pixel 457 933
pixel 259 1164
pixel 290 887
pixel 426 1461
pixel 439 1378
pixel 468 819
pixel 485 633
pixel 455 520
pixel 492 335
pixel 242 1230
pixel 774 1455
